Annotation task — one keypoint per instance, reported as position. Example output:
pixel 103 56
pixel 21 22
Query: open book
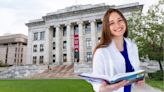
pixel 130 76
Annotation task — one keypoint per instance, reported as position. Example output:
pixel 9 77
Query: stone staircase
pixel 82 67
pixel 45 71
pixel 57 71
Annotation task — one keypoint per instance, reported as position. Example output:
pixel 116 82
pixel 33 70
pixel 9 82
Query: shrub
pixel 158 75
pixel 3 65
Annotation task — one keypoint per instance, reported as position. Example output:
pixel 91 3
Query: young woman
pixel 115 53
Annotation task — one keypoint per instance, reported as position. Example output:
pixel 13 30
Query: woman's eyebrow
pixel 120 18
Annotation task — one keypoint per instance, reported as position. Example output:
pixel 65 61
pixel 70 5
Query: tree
pixel 148 31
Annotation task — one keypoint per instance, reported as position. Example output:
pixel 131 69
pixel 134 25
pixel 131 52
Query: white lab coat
pixel 109 61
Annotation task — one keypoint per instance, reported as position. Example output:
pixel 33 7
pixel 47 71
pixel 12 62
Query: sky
pixel 15 13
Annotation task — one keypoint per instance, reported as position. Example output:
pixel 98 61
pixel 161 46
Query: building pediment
pixel 75 11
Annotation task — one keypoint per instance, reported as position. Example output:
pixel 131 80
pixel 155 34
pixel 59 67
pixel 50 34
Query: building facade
pixel 13 49
pixel 69 35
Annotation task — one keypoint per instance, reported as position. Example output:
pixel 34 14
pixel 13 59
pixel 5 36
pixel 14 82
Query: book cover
pixel 130 76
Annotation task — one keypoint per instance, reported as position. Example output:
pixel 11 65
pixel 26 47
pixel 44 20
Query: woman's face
pixel 116 24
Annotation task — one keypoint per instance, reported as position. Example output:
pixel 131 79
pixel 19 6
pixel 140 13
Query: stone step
pixel 61 71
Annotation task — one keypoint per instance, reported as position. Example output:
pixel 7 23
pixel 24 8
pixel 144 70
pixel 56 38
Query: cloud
pixel 15 13
pixel 6 14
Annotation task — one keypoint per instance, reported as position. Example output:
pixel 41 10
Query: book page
pixel 131 76
pixel 117 76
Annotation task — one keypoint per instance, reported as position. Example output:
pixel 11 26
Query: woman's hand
pixel 140 83
pixel 109 88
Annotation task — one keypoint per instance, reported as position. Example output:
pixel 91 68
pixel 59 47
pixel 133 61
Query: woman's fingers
pixel 140 83
pixel 109 88
pixel 120 84
pixel 104 83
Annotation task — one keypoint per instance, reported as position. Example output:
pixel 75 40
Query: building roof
pixel 78 10
pixel 13 38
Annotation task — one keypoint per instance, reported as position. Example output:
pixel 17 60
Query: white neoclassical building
pixel 69 35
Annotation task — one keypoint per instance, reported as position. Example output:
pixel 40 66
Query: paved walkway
pixel 146 88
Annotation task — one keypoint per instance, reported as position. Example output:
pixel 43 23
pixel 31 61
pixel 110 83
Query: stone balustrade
pixel 15 72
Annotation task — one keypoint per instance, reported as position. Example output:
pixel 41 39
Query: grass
pixel 156 84
pixel 56 85
pixel 47 85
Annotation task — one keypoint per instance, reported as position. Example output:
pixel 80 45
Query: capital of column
pixel 47 27
pixel 57 26
pixel 79 22
pixel 67 24
pixel 92 20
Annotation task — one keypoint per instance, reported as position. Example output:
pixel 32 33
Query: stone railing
pixel 150 66
pixel 82 67
pixel 15 72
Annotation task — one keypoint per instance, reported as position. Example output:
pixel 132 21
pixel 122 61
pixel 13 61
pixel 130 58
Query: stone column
pixel 69 43
pixel 50 44
pixel 17 53
pixel 93 34
pixel 29 55
pixel 47 46
pixel 59 48
pixel 20 51
pixel 81 42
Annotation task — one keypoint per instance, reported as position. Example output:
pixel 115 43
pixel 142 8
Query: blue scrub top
pixel 129 67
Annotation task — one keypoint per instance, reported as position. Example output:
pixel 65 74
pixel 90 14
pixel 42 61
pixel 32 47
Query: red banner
pixel 76 43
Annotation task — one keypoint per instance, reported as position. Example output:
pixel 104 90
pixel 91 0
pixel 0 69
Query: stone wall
pixel 15 72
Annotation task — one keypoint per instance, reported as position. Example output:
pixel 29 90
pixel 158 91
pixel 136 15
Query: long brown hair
pixel 106 36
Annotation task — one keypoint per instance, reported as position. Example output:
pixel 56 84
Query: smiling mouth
pixel 119 30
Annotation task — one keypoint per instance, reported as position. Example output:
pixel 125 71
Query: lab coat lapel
pixel 130 52
pixel 117 58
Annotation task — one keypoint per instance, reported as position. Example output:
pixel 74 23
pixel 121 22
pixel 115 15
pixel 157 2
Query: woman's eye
pixel 120 20
pixel 111 23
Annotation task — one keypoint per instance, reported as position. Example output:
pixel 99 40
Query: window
pixel 76 29
pixel 53 58
pixel 54 32
pixel 99 39
pixel 76 56
pixel 35 36
pixel 87 28
pixel 35 48
pixel 65 57
pixel 88 43
pixel 15 49
pixel 41 59
pixel 34 59
pixel 42 35
pixel 41 47
pixel 53 45
pixel 14 61
pixel 89 56
pixel 64 31
pixel 99 26
pixel 22 50
pixel 21 62
pixel 64 44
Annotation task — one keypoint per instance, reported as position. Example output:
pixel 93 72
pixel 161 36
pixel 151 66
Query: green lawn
pixel 47 85
pixel 56 85
pixel 156 84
